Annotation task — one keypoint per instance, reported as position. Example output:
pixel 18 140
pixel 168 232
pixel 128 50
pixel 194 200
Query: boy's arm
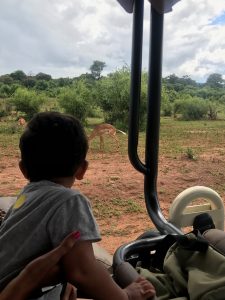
pixel 82 270
pixel 38 270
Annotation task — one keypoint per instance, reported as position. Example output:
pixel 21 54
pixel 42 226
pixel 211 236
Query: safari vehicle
pixel 141 251
pixel 182 213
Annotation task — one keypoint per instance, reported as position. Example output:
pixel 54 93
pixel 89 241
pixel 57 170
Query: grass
pixel 178 136
pixel 116 207
pixel 175 138
pixel 199 136
pixel 190 154
pixel 9 140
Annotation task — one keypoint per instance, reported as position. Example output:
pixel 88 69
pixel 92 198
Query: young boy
pixel 53 154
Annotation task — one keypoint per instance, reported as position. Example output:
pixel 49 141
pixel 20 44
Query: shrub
pixel 114 98
pixel 191 108
pixel 190 154
pixel 26 101
pixel 75 100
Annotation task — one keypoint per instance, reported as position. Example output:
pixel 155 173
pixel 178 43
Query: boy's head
pixel 53 145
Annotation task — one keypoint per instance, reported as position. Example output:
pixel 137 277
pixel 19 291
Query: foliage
pixel 178 84
pixel 215 80
pixel 114 98
pixel 6 79
pixel 18 75
pixel 5 91
pixel 97 68
pixel 29 82
pixel 191 108
pixel 109 95
pixel 43 76
pixel 190 154
pixel 76 100
pixel 41 85
pixel 88 78
pixel 167 102
pixel 62 82
pixel 27 102
pixel 213 109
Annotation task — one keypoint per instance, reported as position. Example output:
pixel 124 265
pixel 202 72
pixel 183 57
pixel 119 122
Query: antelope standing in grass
pixel 105 129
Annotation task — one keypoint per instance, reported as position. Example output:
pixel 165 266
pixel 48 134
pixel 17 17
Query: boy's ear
pixel 23 169
pixel 81 170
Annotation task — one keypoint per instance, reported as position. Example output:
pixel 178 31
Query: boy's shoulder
pixel 47 193
pixel 49 186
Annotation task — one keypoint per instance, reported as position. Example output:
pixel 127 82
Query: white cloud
pixel 63 37
pixel 193 45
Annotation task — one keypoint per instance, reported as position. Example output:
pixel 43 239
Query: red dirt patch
pixel 111 178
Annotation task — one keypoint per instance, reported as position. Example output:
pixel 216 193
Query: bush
pixel 190 154
pixel 191 108
pixel 213 110
pixel 75 101
pixel 113 94
pixel 5 91
pixel 167 109
pixel 26 101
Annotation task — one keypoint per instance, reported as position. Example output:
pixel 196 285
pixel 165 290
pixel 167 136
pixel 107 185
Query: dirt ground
pixel 111 176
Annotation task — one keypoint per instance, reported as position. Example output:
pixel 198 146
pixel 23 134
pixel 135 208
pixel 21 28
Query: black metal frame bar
pixel 150 167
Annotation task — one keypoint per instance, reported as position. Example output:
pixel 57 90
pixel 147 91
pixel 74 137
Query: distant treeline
pixel 94 95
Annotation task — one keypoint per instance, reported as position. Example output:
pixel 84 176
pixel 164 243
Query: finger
pixel 44 263
pixel 67 243
pixel 69 293
pixel 56 254
pixel 73 296
pixel 148 291
pixel 140 279
pixel 147 286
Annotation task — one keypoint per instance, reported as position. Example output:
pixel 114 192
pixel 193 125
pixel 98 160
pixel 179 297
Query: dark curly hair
pixel 52 145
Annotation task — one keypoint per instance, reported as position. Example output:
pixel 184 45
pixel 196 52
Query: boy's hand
pixel 140 289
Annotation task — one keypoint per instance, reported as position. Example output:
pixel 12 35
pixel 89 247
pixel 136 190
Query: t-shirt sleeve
pixel 74 214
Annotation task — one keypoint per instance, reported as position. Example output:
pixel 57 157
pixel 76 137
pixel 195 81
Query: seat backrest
pixel 216 238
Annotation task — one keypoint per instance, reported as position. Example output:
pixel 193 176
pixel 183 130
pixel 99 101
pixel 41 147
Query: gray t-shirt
pixel 42 216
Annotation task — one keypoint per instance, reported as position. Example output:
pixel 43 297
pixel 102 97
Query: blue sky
pixel 219 19
pixel 64 37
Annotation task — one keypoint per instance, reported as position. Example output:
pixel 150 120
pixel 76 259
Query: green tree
pixel 5 91
pixel 97 68
pixel 6 79
pixel 167 99
pixel 61 82
pixel 213 109
pixel 29 82
pixel 215 80
pixel 76 100
pixel 179 83
pixel 88 78
pixel 18 75
pixel 26 101
pixel 191 108
pixel 43 76
pixel 41 85
pixel 113 96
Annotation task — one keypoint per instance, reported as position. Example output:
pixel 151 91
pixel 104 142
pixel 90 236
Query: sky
pixel 63 37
